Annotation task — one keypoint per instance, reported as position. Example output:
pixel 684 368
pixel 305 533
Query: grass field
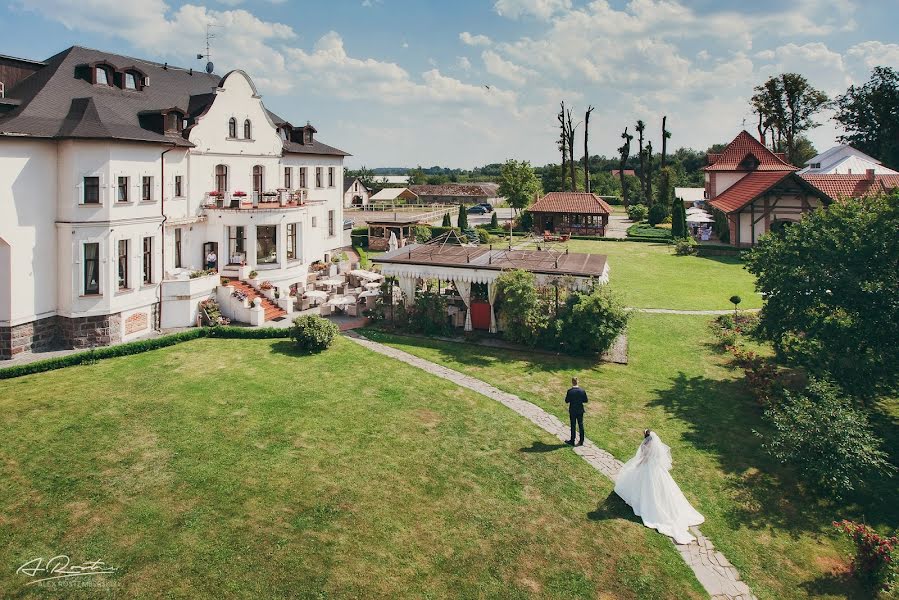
pixel 233 468
pixel 677 384
pixel 652 276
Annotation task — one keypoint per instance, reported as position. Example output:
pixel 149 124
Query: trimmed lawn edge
pixel 139 346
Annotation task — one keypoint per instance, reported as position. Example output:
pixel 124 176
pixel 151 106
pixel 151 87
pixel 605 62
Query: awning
pixel 366 275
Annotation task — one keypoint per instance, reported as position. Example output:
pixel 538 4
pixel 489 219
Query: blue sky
pixel 403 82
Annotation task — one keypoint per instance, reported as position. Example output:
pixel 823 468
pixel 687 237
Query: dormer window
pixel 174 121
pixel 247 130
pixel 750 163
pixel 102 76
pixel 130 81
pixel 307 136
pixel 232 128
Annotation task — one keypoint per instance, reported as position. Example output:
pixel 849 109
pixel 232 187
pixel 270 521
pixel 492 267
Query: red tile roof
pixel 851 186
pixel 747 189
pixel 743 145
pixel 571 202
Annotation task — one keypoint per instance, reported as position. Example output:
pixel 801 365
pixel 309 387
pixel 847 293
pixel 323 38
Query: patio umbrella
pixel 700 219
pixel 366 275
pixel 342 301
pixel 315 294
pixel 370 294
pixel 393 244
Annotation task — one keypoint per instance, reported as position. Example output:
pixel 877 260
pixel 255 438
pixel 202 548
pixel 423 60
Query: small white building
pixel 394 196
pixel 844 160
pixel 120 177
pixel 355 193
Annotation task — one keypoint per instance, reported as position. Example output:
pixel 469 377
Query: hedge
pixel 139 346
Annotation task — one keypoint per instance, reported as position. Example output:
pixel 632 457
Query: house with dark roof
pixel 120 176
pixel 355 193
pixel 571 213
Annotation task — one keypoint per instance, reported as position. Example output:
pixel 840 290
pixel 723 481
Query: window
pixel 247 130
pixel 179 191
pixel 314 221
pixel 91 269
pixel 257 178
pixel 292 241
pixel 266 244
pixel 235 244
pixel 356 186
pixel 122 190
pixel 130 81
pixel 330 176
pixel 92 190
pixel 174 121
pixel 178 264
pixel 330 222
pixel 302 177
pixel 232 128
pixel 288 178
pixel 123 264
pixel 816 165
pixel 146 189
pixel 221 178
pixel 102 76
pixel 148 260
pixel 318 177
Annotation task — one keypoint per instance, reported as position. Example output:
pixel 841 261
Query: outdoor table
pixel 372 286
pixel 332 282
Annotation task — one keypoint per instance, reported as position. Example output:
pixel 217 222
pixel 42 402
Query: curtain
pixel 407 285
pixel 491 297
pixel 464 288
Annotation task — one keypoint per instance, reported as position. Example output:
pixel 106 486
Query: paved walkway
pixel 719 578
pixel 674 311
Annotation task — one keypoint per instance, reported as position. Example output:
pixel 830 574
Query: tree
pixel 518 183
pixel 870 116
pixel 586 150
pixel 569 135
pixel 417 176
pixel 642 156
pixel 462 220
pixel 805 150
pixel 786 105
pixel 831 282
pixel 563 143
pixel 623 152
pixel 525 319
pixel 678 219
pixel 494 221
pixel 591 322
pixel 825 438
pixel 446 221
pixel 666 135
pixel 648 176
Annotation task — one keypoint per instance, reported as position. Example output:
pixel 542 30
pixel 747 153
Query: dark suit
pixel 576 398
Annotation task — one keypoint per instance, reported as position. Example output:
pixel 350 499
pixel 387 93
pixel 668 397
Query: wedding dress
pixel 645 484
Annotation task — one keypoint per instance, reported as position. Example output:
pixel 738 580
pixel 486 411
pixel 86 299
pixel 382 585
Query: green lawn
pixel 652 276
pixel 233 468
pixel 677 384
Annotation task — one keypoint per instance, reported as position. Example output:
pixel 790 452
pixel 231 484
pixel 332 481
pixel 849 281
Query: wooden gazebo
pixel 571 213
pixel 379 230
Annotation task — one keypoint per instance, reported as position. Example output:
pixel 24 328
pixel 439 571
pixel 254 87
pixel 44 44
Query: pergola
pixel 379 230
pixel 465 265
pixel 571 213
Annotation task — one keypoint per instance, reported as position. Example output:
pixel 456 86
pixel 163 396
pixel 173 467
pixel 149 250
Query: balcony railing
pixel 252 200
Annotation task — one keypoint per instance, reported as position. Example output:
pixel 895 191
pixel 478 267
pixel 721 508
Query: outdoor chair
pixel 351 310
pixel 326 309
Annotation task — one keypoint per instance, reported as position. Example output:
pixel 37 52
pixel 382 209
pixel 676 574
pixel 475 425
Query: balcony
pixel 237 200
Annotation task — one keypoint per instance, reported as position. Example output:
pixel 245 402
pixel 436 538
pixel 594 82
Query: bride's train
pixel 645 484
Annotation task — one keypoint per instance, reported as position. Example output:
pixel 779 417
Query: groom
pixel 576 398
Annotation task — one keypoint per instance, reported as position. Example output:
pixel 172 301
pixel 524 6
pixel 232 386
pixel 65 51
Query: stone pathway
pixel 719 578
pixel 674 311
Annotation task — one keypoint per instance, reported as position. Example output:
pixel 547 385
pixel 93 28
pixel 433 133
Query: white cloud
pixel 463 63
pixel 505 69
pixel 542 9
pixel 873 54
pixel 474 40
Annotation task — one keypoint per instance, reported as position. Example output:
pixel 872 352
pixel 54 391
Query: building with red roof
pixel 573 213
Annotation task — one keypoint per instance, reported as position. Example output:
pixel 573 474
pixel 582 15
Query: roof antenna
pixel 208 55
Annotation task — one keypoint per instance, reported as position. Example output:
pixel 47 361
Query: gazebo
pixel 379 230
pixel 467 265
pixel 571 213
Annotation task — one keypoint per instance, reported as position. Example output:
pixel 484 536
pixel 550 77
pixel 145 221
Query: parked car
pixel 487 206
pixel 347 223
pixel 477 209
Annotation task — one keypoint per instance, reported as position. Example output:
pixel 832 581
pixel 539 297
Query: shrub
pixel 637 212
pixel 422 233
pixel 484 236
pixel 359 237
pixel 517 296
pixel 447 222
pixel 494 221
pixel 761 374
pixel 643 230
pixel 202 273
pixel 591 322
pixel 657 213
pixel 428 314
pixel 685 246
pixel 254 274
pixel 462 221
pixel 875 557
pixel 825 438
pixel 312 333
pixel 526 221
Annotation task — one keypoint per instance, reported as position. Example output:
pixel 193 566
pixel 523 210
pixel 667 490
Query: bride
pixel 644 483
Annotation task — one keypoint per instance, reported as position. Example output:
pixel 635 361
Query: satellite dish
pixel 210 67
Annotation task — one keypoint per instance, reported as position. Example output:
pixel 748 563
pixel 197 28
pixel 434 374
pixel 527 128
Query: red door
pixel 480 315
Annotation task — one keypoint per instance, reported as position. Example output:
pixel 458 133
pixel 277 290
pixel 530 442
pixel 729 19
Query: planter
pixel 254 282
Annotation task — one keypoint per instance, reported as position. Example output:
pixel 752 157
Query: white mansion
pixel 120 177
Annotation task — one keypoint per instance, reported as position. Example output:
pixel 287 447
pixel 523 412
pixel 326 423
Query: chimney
pixel 869 174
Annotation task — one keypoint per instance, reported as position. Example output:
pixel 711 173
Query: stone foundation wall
pixel 85 332
pixel 37 335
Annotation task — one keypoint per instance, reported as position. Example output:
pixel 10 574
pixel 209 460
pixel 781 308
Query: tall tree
pixel 640 128
pixel 649 174
pixel 563 143
pixel 624 151
pixel 586 149
pixel 786 105
pixel 870 116
pixel 462 219
pixel 665 136
pixel 569 132
pixel 518 184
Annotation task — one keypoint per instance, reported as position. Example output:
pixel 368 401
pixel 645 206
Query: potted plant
pixel 240 194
